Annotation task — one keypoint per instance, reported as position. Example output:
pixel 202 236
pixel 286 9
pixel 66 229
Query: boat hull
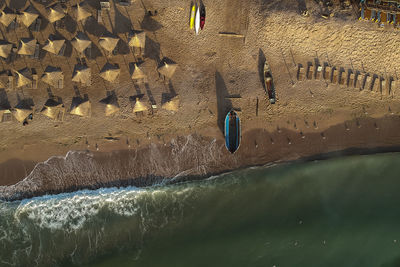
pixel 192 16
pixel 197 21
pixel 232 131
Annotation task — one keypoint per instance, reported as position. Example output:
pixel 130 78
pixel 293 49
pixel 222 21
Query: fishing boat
pixel 192 16
pixel 197 21
pixel 232 131
pixel 269 83
pixel 202 16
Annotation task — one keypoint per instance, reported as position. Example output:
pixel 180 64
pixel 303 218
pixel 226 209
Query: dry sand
pixel 211 67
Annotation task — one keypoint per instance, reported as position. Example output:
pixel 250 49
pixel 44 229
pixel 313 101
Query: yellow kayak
pixel 192 15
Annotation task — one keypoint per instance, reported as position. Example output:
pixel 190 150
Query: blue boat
pixel 232 131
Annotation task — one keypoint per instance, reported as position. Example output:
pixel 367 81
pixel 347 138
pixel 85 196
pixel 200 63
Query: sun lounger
pixel 334 75
pixel 383 19
pixel 310 70
pixel 35 80
pixel 328 72
pixel 342 76
pixel 368 83
pixel 61 83
pixel 99 18
pixel 300 72
pixel 10 83
pixel 318 73
pixel 367 14
pixel 351 80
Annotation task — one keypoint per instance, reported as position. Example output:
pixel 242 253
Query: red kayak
pixel 202 16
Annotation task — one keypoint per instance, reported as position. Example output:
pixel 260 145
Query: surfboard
pixel 197 21
pixel 232 131
pixel 202 16
pixel 192 15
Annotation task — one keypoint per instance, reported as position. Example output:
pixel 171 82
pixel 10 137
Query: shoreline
pixel 196 157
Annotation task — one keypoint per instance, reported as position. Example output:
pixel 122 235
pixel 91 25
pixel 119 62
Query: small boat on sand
pixel 202 16
pixel 269 83
pixel 232 131
pixel 192 16
pixel 197 21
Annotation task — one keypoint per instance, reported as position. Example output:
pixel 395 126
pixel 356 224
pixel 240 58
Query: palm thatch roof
pixel 110 72
pixel 27 46
pixel 23 77
pixel 55 12
pixel 28 16
pixel 53 45
pixel 52 75
pixel 138 39
pixel 22 110
pixel 108 41
pixel 80 42
pixel 137 73
pixel 81 74
pixel 81 107
pixel 82 11
pixel 5 48
pixel 52 108
pixel 167 69
pixel 172 104
pixel 111 104
pixel 7 16
pixel 139 106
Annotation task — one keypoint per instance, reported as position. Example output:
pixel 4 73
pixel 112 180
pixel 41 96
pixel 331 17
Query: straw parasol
pixel 110 72
pixel 139 106
pixel 23 77
pixel 80 107
pixel 138 39
pixel 7 16
pixel 137 73
pixel 52 108
pixel 108 41
pixel 22 110
pixel 81 74
pixel 53 45
pixel 111 104
pixel 55 12
pixel 82 11
pixel 172 104
pixel 167 69
pixel 28 16
pixel 80 42
pixel 52 75
pixel 5 48
pixel 27 46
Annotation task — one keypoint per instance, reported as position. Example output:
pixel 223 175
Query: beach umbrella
pixel 111 104
pixel 27 46
pixel 7 16
pixel 110 72
pixel 80 107
pixel 167 69
pixel 172 104
pixel 82 11
pixel 22 110
pixel 138 39
pixel 28 16
pixel 139 106
pixel 23 77
pixel 80 42
pixel 5 48
pixel 53 45
pixel 52 75
pixel 52 108
pixel 55 12
pixel 81 74
pixel 137 73
pixel 108 41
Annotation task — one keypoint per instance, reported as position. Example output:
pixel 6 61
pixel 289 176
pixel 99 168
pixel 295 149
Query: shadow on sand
pixel 224 105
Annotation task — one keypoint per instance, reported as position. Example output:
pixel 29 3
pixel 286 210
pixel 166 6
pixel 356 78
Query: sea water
pixel 337 212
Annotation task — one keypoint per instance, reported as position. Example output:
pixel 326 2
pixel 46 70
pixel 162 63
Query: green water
pixel 339 212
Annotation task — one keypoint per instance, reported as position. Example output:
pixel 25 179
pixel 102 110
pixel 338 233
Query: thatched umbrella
pixel 81 107
pixel 108 41
pixel 53 45
pixel 172 104
pixel 111 104
pixel 27 46
pixel 110 72
pixel 7 16
pixel 5 48
pixel 139 106
pixel 80 42
pixel 22 110
pixel 52 108
pixel 167 69
pixel 137 73
pixel 138 39
pixel 28 16
pixel 82 11
pixel 81 74
pixel 23 77
pixel 55 12
pixel 52 75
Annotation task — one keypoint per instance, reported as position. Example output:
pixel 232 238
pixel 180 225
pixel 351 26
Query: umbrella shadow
pixel 70 24
pixel 149 24
pixel 122 23
pixel 224 105
pixel 149 94
pixel 261 62
pixel 4 102
pixel 152 49
pixel 93 27
pixel 122 47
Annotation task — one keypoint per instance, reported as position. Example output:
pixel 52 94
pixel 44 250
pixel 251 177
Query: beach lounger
pixel 10 83
pixel 392 87
pixel 342 76
pixel 351 80
pixel 99 18
pixel 367 14
pixel 300 72
pixel 318 73
pixel 310 71
pixel 384 86
pixel 359 81
pixel 328 73
pixel 35 80
pixel 382 19
pixel 376 84
pixel 367 82
pixel 334 75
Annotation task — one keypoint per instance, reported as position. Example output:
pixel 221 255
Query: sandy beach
pixel 215 74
